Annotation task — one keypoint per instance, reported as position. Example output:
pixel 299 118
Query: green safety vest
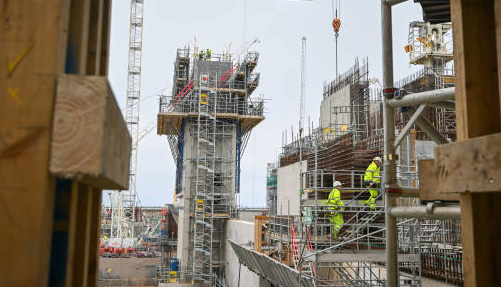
pixel 372 173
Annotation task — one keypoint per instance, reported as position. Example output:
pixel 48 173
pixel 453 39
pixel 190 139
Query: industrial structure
pixel 208 121
pixel 298 231
pixel 434 221
pixel 123 202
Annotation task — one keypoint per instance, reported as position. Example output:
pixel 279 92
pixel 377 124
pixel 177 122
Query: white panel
pixel 288 187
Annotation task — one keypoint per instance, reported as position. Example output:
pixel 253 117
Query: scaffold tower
pixel 207 121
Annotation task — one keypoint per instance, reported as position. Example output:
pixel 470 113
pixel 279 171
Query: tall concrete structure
pixel 207 121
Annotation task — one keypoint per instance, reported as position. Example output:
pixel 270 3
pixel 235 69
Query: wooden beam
pixel 497 13
pixel 78 268
pixel 94 42
pixel 475 64
pixel 478 114
pixel 105 38
pixel 430 188
pixel 78 37
pixel 95 228
pixel 464 166
pixel 30 54
pixel 90 139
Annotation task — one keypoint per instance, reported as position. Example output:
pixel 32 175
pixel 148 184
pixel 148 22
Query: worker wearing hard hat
pixel 208 53
pixel 372 181
pixel 336 205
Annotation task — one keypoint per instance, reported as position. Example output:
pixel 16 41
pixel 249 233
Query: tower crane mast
pixel 124 202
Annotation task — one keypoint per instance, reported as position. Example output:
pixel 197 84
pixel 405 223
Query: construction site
pixel 392 182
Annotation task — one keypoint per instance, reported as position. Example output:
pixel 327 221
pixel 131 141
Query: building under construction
pixel 298 231
pixel 208 121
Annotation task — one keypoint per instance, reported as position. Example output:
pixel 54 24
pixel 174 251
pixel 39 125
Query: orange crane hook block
pixel 336 24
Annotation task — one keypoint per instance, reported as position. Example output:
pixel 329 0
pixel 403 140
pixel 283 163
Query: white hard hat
pixel 377 158
pixel 337 183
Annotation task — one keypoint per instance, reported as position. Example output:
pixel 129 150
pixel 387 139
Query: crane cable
pixel 336 25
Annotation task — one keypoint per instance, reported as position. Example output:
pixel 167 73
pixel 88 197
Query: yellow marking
pixel 13 95
pixel 12 66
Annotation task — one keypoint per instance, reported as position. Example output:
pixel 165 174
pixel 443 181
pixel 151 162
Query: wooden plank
pixel 81 249
pixel 429 185
pixel 95 227
pixel 475 65
pixel 94 41
pixel 468 166
pixel 478 114
pixel 105 38
pixel 497 13
pixel 30 54
pixel 481 230
pixel 72 233
pixel 59 249
pixel 90 138
pixel 78 37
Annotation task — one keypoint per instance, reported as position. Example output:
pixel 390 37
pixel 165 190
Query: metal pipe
pixel 409 124
pixel 427 127
pixel 393 2
pixel 427 97
pixel 437 213
pixel 448 105
pixel 390 175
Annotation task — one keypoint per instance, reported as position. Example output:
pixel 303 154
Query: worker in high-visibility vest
pixel 336 205
pixel 201 55
pixel 208 54
pixel 372 181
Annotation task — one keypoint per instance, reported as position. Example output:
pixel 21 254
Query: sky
pixel 279 25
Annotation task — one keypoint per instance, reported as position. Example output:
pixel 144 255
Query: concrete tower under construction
pixel 208 120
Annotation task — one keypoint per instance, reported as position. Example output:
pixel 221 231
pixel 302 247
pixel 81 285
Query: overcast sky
pixel 279 25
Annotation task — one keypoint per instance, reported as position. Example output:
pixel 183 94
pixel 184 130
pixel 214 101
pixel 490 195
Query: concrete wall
pixel 288 187
pixel 240 232
pixel 185 200
pixel 340 98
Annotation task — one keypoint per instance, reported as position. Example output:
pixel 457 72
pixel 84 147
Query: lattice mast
pixel 303 82
pixel 127 198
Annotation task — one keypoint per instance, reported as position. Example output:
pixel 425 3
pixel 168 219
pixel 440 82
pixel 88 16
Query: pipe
pixel 427 97
pixel 390 176
pixel 448 105
pixel 437 213
pixel 427 127
pixel 409 124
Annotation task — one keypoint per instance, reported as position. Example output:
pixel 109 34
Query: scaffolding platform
pixel 170 123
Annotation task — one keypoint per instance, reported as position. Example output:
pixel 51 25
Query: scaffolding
pixel 342 150
pixel 208 120
pixel 271 189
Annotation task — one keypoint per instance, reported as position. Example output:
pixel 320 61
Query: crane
pixel 303 82
pixel 124 202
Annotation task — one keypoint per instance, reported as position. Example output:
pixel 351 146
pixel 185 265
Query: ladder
pixel 204 189
pixel 367 218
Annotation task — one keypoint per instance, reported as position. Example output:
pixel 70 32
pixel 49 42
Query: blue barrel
pixel 174 264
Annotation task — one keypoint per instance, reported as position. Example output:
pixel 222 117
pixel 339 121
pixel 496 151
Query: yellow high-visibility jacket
pixel 334 200
pixel 372 173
